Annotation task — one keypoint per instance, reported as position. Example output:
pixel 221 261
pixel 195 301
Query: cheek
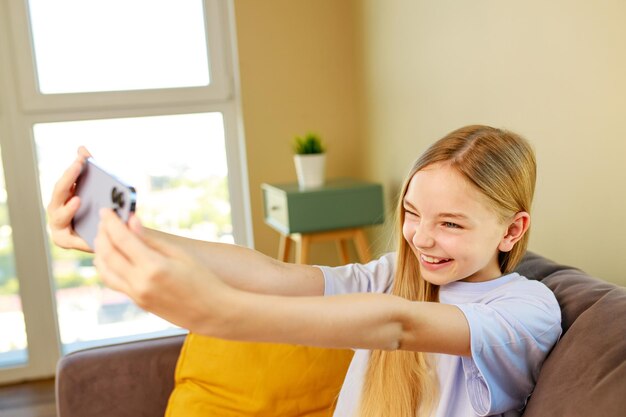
pixel 493 239
pixel 457 245
pixel 482 247
pixel 450 242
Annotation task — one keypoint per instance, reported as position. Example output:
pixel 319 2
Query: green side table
pixel 337 211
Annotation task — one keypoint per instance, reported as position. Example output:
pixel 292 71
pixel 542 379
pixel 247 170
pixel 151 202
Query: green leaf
pixel 309 144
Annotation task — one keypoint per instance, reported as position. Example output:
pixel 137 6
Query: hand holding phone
pixel 98 189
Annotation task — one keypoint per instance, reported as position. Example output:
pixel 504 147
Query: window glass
pixel 13 344
pixel 115 45
pixel 177 164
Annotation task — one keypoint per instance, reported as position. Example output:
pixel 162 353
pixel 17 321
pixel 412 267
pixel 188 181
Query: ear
pixel 514 232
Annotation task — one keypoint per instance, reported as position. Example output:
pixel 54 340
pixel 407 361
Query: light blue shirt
pixel 514 323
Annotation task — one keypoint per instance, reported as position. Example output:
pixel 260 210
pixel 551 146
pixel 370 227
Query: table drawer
pixel 276 210
pixel 338 204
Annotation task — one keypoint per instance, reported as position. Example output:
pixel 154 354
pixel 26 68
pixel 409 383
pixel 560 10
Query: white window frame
pixel 22 106
pixel 220 88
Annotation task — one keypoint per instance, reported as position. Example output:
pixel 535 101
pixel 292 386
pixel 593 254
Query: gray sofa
pixel 584 375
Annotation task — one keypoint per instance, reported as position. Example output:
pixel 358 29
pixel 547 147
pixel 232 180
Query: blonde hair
pixel 502 166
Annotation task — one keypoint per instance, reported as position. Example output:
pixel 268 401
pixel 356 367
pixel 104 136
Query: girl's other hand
pixel 159 276
pixel 64 204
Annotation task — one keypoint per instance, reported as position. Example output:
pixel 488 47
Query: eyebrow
pixel 459 216
pixel 453 216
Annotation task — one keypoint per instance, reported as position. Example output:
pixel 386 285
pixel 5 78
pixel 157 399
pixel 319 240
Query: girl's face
pixel 450 227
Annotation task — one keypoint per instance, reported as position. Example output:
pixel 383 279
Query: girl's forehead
pixel 440 176
pixel 442 187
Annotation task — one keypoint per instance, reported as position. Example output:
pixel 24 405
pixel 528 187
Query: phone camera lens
pixel 117 197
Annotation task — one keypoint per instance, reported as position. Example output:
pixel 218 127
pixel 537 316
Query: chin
pixel 436 279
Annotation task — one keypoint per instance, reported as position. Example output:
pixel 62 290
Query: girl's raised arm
pixel 167 280
pixel 245 268
pixel 240 267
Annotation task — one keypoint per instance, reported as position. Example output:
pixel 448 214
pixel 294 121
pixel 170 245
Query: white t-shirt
pixel 514 322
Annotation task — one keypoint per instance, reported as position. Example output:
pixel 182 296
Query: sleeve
pixel 375 276
pixel 510 338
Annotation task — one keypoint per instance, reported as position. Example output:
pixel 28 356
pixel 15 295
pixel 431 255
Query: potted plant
pixel 310 160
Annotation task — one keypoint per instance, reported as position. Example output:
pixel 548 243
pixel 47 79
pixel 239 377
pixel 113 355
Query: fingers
pixel 63 214
pixel 83 153
pixel 60 214
pixel 123 240
pixel 64 187
pixel 66 240
pixel 165 285
pixel 60 220
pixel 126 263
pixel 64 205
pixel 110 278
pixel 114 267
pixel 134 224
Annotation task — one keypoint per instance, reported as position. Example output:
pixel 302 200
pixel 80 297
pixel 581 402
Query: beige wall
pixel 382 80
pixel 553 71
pixel 297 64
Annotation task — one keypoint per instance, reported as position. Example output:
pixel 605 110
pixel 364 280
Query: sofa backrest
pixel 585 374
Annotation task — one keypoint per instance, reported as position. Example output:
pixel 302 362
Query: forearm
pixel 362 321
pixel 369 321
pixel 249 270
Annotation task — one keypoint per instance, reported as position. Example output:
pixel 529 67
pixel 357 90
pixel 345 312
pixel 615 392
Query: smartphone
pixel 98 189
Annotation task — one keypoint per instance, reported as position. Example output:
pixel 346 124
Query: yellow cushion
pixel 223 378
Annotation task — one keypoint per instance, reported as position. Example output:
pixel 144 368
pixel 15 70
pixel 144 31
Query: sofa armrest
pixel 127 380
pixel 585 374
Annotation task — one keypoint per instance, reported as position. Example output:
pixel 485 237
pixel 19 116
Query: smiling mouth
pixel 436 261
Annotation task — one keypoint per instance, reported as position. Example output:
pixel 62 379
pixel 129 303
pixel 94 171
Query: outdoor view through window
pixel 141 78
pixel 177 165
pixel 13 343
pixel 178 190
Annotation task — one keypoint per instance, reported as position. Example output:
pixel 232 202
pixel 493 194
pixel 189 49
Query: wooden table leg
pixel 283 248
pixel 341 237
pixel 342 247
pixel 362 247
pixel 303 245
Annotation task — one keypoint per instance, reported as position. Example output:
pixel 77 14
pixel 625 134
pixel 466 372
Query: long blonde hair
pixel 502 166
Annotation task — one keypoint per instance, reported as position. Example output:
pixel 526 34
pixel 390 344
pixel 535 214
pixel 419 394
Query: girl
pixel 443 327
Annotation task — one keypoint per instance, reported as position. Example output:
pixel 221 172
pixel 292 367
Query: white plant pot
pixel 310 169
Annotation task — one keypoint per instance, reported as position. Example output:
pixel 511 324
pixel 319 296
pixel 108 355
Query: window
pixel 147 86
pixel 13 343
pixel 118 45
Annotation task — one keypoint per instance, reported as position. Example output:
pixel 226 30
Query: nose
pixel 423 237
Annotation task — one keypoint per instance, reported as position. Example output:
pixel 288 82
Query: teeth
pixel 432 260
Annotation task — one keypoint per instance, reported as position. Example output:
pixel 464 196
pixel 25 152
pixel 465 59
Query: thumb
pixel 83 152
